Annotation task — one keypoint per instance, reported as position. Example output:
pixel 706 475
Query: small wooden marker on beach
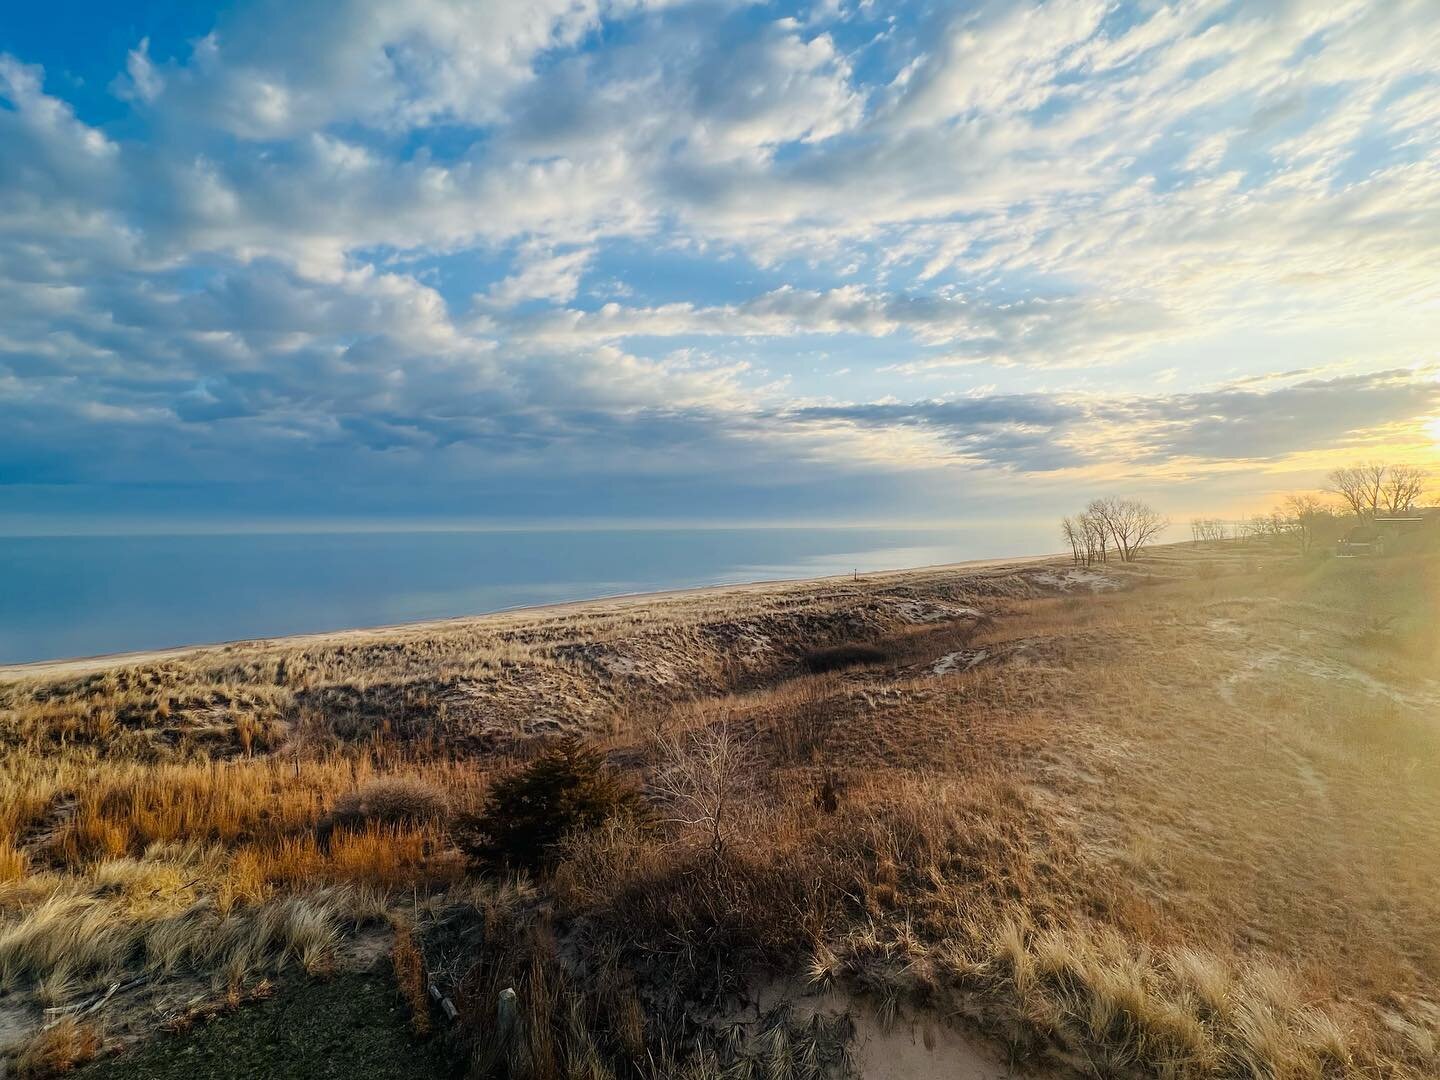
pixel 505 1012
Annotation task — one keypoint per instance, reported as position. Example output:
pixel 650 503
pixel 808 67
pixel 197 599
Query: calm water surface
pixel 78 596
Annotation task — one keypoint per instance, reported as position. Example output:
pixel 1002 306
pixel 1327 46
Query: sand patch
pixel 1076 579
pixel 908 1047
pixel 919 611
pixel 960 660
pixel 919 1050
pixel 1286 662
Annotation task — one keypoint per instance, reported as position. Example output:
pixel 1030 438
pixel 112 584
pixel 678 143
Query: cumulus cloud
pixel 543 274
pixel 274 69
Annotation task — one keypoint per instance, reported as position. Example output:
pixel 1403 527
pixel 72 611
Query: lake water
pixel 84 595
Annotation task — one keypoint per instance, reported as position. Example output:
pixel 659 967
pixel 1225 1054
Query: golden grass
pixel 13 862
pixel 81 937
pixel 118 807
pixel 113 869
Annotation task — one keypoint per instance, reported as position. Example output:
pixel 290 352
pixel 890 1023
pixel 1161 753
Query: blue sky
pixel 621 260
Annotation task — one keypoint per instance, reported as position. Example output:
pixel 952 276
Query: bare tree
pixel 1360 486
pixel 1206 530
pixel 1097 539
pixel 1305 517
pixel 1130 523
pixel 702 779
pixel 1260 526
pixel 1210 530
pixel 1088 537
pixel 1402 487
pixel 1074 534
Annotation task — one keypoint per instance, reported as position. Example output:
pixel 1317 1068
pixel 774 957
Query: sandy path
pixel 909 1047
pixel 83 664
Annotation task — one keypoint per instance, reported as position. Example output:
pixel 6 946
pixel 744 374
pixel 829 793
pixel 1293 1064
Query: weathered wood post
pixel 506 1012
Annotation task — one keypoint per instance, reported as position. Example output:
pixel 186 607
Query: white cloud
pixel 141 81
pixel 278 69
pixel 1002 58
pixel 543 275
pixel 777 88
pixel 1047 332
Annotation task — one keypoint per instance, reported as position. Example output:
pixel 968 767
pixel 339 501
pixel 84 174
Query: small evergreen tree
pixel 567 788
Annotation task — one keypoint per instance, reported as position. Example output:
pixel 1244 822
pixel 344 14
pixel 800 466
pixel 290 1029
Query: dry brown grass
pixel 1190 831
pixel 57 1049
pixel 407 961
pixel 1185 830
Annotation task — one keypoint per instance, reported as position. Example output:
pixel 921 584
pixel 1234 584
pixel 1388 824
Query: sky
pixel 612 261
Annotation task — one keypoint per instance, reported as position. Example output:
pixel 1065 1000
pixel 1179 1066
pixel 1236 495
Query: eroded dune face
pixel 1175 822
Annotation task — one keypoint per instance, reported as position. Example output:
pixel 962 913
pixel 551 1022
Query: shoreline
pixel 76 665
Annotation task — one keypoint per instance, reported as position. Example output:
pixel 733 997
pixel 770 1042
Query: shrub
pixel 567 788
pixel 390 800
pixel 840 657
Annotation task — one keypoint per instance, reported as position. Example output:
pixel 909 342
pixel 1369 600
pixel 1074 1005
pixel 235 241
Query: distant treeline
pixel 1354 494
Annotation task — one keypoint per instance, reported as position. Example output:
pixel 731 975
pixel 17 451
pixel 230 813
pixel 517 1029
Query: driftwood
pixel 91 1004
pixel 446 1005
